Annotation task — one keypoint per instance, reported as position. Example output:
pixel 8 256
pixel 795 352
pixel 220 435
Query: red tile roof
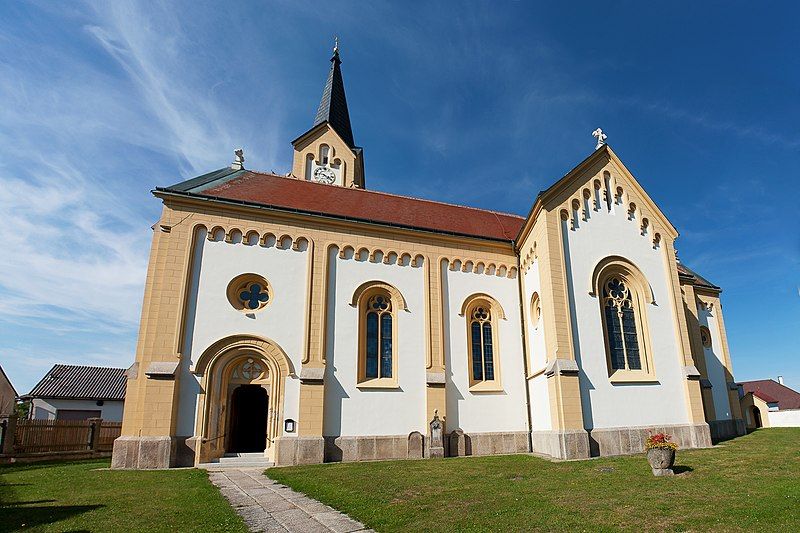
pixel 766 397
pixel 770 391
pixel 383 208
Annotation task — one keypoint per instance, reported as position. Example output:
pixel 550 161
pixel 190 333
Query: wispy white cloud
pixel 151 60
pixel 705 120
pixel 83 137
pixel 73 250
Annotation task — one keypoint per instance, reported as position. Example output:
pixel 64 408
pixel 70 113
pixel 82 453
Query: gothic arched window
pixel 377 343
pixel 624 294
pixel 481 344
pixel 481 313
pixel 620 319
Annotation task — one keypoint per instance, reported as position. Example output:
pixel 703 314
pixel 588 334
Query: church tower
pixel 327 152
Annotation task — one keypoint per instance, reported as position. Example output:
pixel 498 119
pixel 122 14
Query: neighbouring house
pixel 72 392
pixel 769 403
pixel 309 319
pixel 8 395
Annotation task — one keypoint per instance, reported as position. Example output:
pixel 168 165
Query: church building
pixel 309 319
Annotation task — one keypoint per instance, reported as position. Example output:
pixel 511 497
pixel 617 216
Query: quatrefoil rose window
pixel 251 369
pixel 249 293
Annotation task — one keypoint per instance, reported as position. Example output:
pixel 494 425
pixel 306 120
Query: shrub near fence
pixel 52 437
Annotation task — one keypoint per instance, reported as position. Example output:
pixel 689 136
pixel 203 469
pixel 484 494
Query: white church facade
pixel 311 319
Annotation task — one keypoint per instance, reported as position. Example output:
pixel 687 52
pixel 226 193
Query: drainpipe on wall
pixel 524 352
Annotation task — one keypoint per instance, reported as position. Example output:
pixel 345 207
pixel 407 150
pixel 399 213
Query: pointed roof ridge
pixel 333 105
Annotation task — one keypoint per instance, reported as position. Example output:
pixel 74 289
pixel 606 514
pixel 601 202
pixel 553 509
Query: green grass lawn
pixel 752 482
pixel 81 496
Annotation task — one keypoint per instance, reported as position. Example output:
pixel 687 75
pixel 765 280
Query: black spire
pixel 333 106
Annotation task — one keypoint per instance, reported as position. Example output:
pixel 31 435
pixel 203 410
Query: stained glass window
pixel 378 341
pixel 477 361
pixel 386 345
pixel 481 348
pixel 631 340
pixel 249 292
pixel 620 322
pixel 254 296
pixel 488 363
pixel 614 337
pixel 372 346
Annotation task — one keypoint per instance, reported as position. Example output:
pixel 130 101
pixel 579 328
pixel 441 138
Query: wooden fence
pixel 53 436
pixel 108 432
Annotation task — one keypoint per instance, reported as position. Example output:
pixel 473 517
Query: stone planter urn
pixel 661 461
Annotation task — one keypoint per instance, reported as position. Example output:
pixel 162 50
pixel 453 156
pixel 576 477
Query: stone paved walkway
pixel 269 506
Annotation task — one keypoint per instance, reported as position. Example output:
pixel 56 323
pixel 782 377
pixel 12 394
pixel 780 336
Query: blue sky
pixel 482 104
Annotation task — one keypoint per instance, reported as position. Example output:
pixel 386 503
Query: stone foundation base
pixel 391 447
pixel 494 443
pixel 146 453
pixel 726 429
pixel 370 448
pixel 628 440
pixel 563 444
pixel 299 450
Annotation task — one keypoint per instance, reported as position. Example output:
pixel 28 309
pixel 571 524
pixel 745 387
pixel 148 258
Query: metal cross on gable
pixel 253 296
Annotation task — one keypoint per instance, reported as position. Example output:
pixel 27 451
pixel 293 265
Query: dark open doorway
pixel 248 419
pixel 757 417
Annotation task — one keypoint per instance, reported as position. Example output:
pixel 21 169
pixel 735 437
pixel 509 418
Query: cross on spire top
pixel 333 105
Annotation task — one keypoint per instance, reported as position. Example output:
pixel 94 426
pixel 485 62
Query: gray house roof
pixel 73 382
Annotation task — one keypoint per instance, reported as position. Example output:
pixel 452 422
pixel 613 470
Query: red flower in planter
pixel 660 440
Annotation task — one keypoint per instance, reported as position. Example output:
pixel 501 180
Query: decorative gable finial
pixel 238 159
pixel 600 136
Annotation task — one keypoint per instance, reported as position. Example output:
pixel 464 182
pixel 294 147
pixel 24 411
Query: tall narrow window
pixel 324 151
pixel 481 344
pixel 376 360
pixel 483 316
pixel 623 337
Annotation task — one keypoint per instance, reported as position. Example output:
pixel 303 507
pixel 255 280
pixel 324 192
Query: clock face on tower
pixel 324 175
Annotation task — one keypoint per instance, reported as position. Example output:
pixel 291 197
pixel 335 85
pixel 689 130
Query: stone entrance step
pixel 238 460
pixel 252 455
pixel 217 466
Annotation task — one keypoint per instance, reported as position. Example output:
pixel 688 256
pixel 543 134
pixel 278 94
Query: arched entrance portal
pixel 248 419
pixel 757 417
pixel 240 407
